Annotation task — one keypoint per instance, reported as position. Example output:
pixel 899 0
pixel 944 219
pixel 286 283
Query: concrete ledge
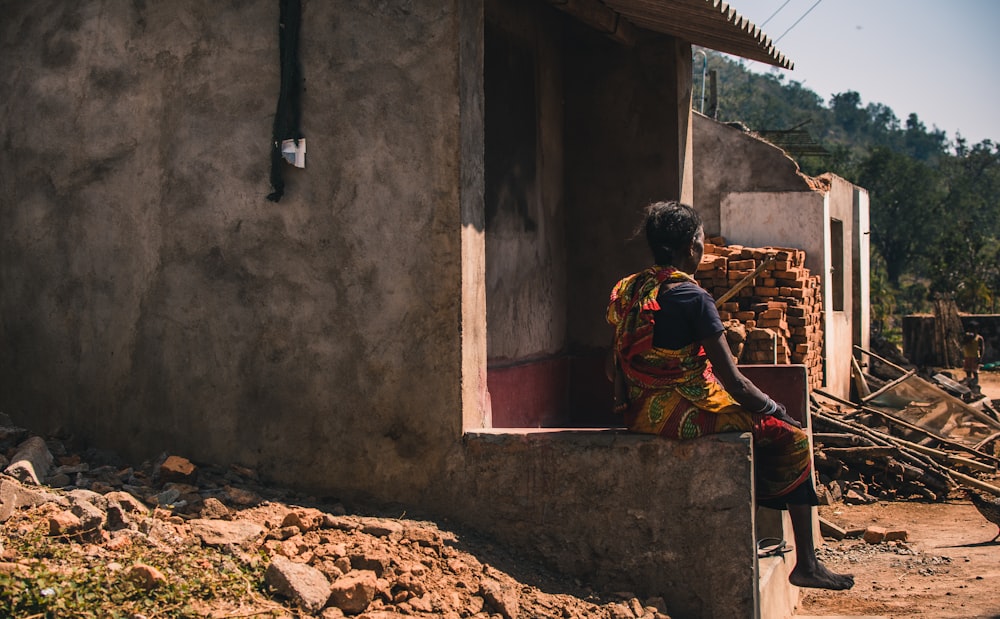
pixel 622 511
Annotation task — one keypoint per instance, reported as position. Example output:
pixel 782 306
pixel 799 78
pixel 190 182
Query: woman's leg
pixel 809 572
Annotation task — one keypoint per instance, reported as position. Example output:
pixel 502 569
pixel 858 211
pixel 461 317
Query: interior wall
pixel 625 141
pixel 525 232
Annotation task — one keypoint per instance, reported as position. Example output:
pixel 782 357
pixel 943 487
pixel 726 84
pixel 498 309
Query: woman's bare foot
pixel 819 577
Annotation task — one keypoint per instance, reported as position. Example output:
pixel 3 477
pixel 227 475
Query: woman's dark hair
pixel 670 226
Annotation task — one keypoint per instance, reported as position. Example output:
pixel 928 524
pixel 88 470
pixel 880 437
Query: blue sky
pixel 939 59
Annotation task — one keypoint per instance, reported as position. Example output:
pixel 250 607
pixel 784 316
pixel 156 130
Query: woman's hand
pixel 783 415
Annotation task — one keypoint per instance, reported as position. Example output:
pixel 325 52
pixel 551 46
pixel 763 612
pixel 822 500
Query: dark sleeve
pixel 687 314
pixel 707 321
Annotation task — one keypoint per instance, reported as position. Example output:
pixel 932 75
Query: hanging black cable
pixel 288 116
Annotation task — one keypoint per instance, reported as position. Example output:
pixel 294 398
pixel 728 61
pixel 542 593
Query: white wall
pixel 802 220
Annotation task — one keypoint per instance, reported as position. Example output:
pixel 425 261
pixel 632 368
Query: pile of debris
pixel 309 557
pixel 909 438
pixel 769 301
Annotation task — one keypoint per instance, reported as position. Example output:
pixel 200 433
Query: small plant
pixel 61 578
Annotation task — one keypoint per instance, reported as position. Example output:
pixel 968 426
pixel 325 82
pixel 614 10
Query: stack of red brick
pixel 780 310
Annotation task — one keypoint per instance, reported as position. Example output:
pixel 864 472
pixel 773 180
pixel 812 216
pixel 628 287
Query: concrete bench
pixel 635 513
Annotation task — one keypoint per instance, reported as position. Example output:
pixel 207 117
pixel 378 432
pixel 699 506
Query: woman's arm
pixel 738 386
pixel 743 391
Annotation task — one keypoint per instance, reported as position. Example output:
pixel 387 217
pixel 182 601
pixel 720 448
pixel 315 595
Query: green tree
pixel 905 214
pixel 964 258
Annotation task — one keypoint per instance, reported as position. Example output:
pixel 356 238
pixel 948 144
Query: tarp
pixel 927 406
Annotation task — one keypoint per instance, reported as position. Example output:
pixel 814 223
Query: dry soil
pixel 948 567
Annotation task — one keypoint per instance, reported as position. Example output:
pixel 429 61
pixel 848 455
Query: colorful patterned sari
pixel 673 393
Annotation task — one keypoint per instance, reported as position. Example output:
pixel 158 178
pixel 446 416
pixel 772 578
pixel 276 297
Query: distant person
pixel 973 347
pixel 675 377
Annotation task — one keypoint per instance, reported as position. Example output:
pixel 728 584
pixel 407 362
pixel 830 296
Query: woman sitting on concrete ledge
pixel 675 377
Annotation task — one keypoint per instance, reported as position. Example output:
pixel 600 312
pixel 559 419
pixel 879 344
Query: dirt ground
pixel 948 567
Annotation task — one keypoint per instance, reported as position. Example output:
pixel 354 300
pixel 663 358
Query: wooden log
pixel 910 426
pixel 862 453
pixel 882 359
pixel 840 439
pixel 936 477
pixel 968 480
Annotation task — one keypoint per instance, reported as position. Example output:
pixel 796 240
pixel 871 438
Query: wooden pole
pixel 910 426
pixel 743 282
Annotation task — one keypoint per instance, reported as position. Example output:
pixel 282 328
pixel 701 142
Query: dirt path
pixel 948 568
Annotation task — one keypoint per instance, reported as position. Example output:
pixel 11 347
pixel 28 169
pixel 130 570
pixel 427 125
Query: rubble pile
pixel 314 559
pixel 775 315
pixel 907 439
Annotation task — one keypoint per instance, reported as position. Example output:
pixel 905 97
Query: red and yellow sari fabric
pixel 674 394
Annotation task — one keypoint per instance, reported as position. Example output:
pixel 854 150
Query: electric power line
pixel 775 13
pixel 797 21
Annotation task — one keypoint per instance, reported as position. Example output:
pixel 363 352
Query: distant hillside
pixel 935 204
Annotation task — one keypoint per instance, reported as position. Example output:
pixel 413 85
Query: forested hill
pixel 935 200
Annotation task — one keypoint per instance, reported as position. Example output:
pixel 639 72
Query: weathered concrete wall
pixel 839 330
pixel 752 194
pixel 655 517
pixel 525 230
pixel 154 300
pixel 727 159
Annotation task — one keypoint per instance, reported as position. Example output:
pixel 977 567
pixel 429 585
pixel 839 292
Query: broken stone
pixel 146 576
pixel 87 496
pixel 122 508
pixel 897 535
pixel 213 508
pixel 422 536
pixel 58 480
pixel 304 585
pixel 305 519
pixel 374 561
pixel 383 528
pixel 353 592
pixel 64 523
pixel 91 517
pixel 237 496
pixel 14 496
pixel 31 461
pixel 339 522
pixel 224 532
pixel 874 535
pixel 502 599
pixel 178 469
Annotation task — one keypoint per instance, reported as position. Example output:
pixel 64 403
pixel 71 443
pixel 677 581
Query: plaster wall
pixel 153 300
pixel 803 220
pixel 623 529
pixel 861 262
pixel 727 159
pixel 751 193
pixel 525 229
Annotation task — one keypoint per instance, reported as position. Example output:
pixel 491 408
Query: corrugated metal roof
pixel 708 23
